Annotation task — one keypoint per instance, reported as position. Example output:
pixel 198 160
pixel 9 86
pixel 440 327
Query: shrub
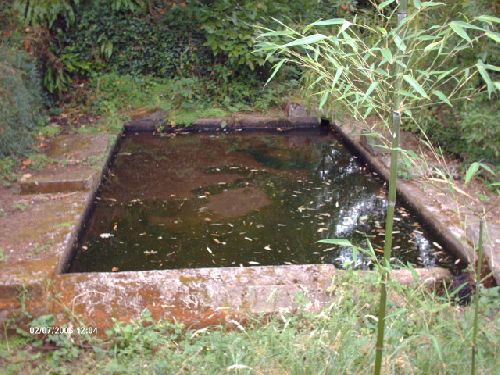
pixel 200 38
pixel 471 130
pixel 128 43
pixel 21 102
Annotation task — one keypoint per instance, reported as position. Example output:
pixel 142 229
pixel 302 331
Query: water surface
pixel 222 200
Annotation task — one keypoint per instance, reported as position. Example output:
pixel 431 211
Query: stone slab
pixel 237 122
pixel 59 181
pixel 149 122
pixel 453 236
pixel 77 148
pixel 38 239
pixel 204 296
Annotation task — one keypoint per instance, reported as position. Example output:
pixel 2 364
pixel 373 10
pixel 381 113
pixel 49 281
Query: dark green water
pixel 190 201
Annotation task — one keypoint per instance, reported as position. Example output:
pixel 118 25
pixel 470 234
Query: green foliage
pixel 21 102
pixel 46 12
pixel 7 170
pixel 229 26
pixel 199 39
pixel 129 43
pixel 469 129
pixel 49 131
pixel 7 17
pixel 185 99
pixel 349 66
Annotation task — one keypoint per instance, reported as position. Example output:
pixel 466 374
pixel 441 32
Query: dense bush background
pixel 208 47
pixel 21 101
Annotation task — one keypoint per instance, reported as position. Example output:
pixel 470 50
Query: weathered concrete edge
pixel 227 124
pixel 72 238
pixel 454 245
pixel 206 296
pixel 36 187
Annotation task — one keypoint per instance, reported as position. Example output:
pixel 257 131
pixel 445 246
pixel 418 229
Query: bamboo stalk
pixel 395 132
pixel 476 298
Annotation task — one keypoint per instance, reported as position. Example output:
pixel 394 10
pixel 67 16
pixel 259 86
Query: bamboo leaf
pixel 492 67
pixel 337 241
pixel 415 85
pixel 386 54
pixel 432 46
pixel 382 72
pixel 277 67
pixel 429 4
pixel 385 4
pixel 338 73
pixel 472 171
pixel 493 35
pixel 460 31
pixel 442 96
pixel 330 22
pixel 368 92
pixel 345 26
pixel 486 77
pixel 488 19
pixel 311 39
pixel 275 33
pixel 399 43
pixel 324 98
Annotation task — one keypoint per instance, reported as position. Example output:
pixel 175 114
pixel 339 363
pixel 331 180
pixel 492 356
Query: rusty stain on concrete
pixel 203 296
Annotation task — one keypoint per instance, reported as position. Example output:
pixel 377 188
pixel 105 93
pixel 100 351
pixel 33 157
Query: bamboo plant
pixel 385 72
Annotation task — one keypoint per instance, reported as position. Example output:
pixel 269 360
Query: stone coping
pixel 203 296
pixel 125 294
pixel 237 122
pixel 455 239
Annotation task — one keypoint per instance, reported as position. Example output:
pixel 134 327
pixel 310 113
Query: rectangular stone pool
pixel 241 199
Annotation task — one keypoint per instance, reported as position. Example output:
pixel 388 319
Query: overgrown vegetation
pixel 426 334
pixel 209 48
pixel 348 66
pixel 21 101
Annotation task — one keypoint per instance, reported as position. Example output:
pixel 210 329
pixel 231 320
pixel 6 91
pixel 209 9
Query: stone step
pixel 59 181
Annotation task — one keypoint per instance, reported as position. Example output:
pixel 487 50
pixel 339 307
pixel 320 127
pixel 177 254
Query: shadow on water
pixel 242 199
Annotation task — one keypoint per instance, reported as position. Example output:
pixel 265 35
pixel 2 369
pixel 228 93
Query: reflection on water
pixel 242 200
